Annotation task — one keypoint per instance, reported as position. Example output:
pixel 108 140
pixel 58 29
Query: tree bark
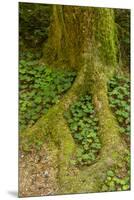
pixel 83 39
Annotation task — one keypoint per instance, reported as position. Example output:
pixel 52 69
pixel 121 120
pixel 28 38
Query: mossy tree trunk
pixel 83 39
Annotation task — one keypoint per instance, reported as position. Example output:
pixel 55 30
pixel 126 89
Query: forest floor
pixel 42 87
pixel 37 173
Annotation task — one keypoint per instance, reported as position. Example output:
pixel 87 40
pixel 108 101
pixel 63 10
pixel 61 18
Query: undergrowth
pixel 118 178
pixel 84 126
pixel 40 87
pixel 119 99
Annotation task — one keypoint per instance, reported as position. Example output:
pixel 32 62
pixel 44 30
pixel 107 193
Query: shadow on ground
pixel 13 193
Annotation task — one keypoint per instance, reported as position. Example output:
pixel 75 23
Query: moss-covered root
pixel 52 128
pixel 47 127
pixel 90 179
pixel 113 146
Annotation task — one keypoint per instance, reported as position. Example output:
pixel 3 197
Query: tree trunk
pixel 83 39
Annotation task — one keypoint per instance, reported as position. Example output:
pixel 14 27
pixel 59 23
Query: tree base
pixel 53 129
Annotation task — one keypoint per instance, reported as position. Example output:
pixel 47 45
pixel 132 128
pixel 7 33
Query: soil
pixel 37 173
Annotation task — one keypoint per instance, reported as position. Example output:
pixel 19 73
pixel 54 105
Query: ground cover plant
pixel 40 88
pixel 119 99
pixel 84 127
pixel 118 178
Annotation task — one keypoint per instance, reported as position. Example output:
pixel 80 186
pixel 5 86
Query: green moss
pixel 104 32
pixel 69 44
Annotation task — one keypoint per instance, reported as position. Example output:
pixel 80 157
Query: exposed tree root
pixel 53 129
pixel 90 178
